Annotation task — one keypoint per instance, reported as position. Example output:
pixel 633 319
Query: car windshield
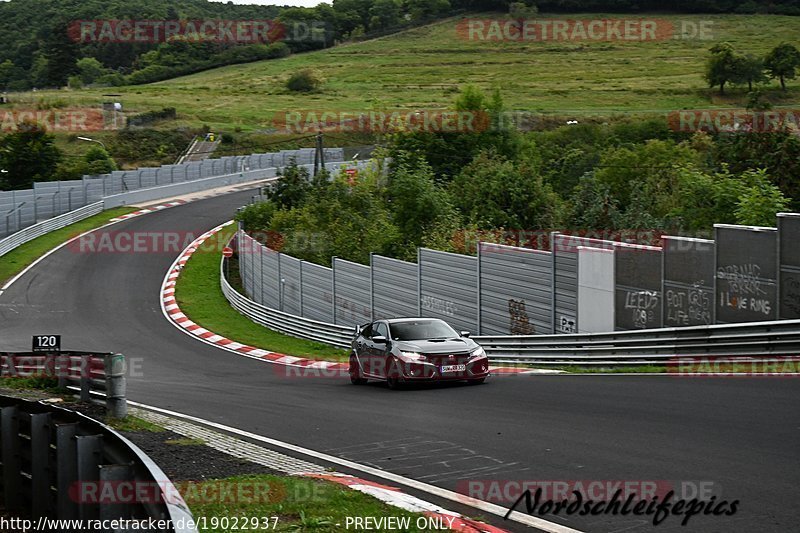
pixel 421 330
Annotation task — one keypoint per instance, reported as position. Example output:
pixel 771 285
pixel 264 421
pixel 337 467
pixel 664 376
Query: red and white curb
pixel 173 313
pixel 397 498
pixel 147 210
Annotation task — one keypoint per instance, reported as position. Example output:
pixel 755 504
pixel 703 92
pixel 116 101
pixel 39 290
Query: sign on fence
pixel 46 343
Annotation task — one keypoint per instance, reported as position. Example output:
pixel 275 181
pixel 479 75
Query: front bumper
pixel 477 368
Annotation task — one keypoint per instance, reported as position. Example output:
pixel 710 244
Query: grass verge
pixel 200 297
pixel 132 423
pixel 43 383
pixel 17 260
pixel 293 504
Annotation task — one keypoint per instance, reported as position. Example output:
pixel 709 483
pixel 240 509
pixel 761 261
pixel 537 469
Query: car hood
pixel 444 347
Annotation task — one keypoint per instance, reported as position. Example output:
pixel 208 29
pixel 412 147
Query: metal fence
pixel 37 230
pixel 285 322
pixel 581 285
pixel 24 208
pixel 91 375
pixel 47 452
pixel 695 347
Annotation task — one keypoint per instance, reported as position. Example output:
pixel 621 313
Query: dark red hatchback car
pixel 405 350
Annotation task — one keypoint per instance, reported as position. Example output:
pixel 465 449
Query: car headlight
pixel 477 352
pixel 414 356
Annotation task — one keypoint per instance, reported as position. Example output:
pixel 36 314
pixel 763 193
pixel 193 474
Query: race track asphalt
pixel 742 434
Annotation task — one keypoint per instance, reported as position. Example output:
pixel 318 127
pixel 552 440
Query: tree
pixel 28 154
pixel 651 167
pixel 418 204
pixel 782 62
pixel 592 206
pixel 760 202
pixel 493 192
pixel 292 188
pixel 341 219
pixel 61 53
pixel 522 10
pixel 7 73
pixel 471 98
pixel 723 66
pixel 384 14
pixel 99 161
pixel 90 69
pixel 39 71
pixel 425 9
pixel 749 70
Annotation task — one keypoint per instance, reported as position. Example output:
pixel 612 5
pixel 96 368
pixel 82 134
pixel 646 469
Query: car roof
pixel 407 319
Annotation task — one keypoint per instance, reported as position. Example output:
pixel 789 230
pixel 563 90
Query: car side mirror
pixel 465 334
pixel 379 339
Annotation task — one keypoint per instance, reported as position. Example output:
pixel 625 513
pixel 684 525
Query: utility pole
pixel 319 155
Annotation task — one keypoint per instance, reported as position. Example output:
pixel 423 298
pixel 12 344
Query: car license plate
pixel 454 368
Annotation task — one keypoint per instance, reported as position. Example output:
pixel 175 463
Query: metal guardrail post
pixel 333 288
pixel 371 286
pixel 300 284
pixel 66 470
pixel 9 443
pixel 90 455
pixel 113 475
pixel 86 378
pixel 419 282
pixel 62 370
pixel 116 386
pixel 478 288
pixel 40 464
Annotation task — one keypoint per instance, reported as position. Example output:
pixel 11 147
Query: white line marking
pixel 516 516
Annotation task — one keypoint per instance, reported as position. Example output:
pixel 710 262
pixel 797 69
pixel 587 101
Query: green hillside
pixel 423 68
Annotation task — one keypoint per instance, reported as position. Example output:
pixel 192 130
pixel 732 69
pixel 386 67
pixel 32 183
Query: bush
pixel 304 81
pixel 144 119
pixel 115 79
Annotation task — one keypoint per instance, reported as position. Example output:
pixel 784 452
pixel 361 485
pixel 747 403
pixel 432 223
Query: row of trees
pixel 443 188
pixel 728 66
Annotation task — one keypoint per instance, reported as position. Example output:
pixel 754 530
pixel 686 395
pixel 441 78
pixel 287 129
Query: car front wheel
pixel 393 375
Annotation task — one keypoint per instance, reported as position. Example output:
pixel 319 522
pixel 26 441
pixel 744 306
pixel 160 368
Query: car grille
pixel 444 359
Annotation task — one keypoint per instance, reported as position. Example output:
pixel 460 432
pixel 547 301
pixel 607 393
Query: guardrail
pixel 37 230
pixel 91 375
pixel 759 340
pixel 662 346
pixel 52 457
